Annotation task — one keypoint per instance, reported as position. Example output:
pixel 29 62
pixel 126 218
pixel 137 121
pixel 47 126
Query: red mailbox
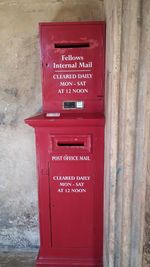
pixel 73 66
pixel 70 144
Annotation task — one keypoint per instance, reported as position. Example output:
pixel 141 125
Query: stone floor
pixel 17 259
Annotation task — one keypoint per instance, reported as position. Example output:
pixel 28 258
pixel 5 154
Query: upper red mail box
pixel 73 66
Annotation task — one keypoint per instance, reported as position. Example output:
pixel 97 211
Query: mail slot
pixel 70 144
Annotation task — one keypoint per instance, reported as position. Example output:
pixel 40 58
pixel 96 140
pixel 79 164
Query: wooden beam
pixel 127 75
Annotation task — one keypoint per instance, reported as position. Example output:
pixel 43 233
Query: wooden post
pixel 127 119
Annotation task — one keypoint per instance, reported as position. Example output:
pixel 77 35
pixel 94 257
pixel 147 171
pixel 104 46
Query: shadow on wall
pixel 89 10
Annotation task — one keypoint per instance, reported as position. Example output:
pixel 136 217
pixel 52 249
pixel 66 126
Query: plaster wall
pixel 20 97
pixel 127 105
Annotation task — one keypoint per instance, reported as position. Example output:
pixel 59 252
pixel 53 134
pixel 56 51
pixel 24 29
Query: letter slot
pixel 70 142
pixel 72 45
pixel 62 144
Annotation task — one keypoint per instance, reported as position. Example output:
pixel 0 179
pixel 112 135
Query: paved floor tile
pixel 17 259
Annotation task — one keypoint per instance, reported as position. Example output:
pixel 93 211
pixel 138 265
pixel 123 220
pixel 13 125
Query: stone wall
pixel 20 97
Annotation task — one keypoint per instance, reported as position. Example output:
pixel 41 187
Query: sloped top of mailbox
pixel 72 57
pixel 67 120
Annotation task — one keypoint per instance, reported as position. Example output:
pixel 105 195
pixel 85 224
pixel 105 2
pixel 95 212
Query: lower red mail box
pixel 70 162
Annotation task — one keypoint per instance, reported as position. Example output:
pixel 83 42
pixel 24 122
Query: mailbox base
pixel 70 161
pixel 64 262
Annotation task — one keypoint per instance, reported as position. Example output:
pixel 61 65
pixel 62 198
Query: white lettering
pixel 80 91
pixel 83 178
pixel 65 184
pixel 56 158
pixel 66 157
pixel 84 158
pixel 85 65
pixel 81 83
pixel 66 83
pixel 65 66
pixel 64 76
pixel 61 91
pixel 60 190
pixel 79 184
pixel 70 57
pixel 81 190
pixel 70 158
pixel 58 178
pixel 85 76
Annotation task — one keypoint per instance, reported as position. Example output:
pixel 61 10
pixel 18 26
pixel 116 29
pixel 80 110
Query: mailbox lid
pixel 72 56
pixel 67 120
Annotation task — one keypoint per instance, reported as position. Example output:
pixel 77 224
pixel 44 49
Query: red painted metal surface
pixel 70 161
pixel 70 149
pixel 72 56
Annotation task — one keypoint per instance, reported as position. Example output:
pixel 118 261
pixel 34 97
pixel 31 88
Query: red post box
pixel 73 66
pixel 70 144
